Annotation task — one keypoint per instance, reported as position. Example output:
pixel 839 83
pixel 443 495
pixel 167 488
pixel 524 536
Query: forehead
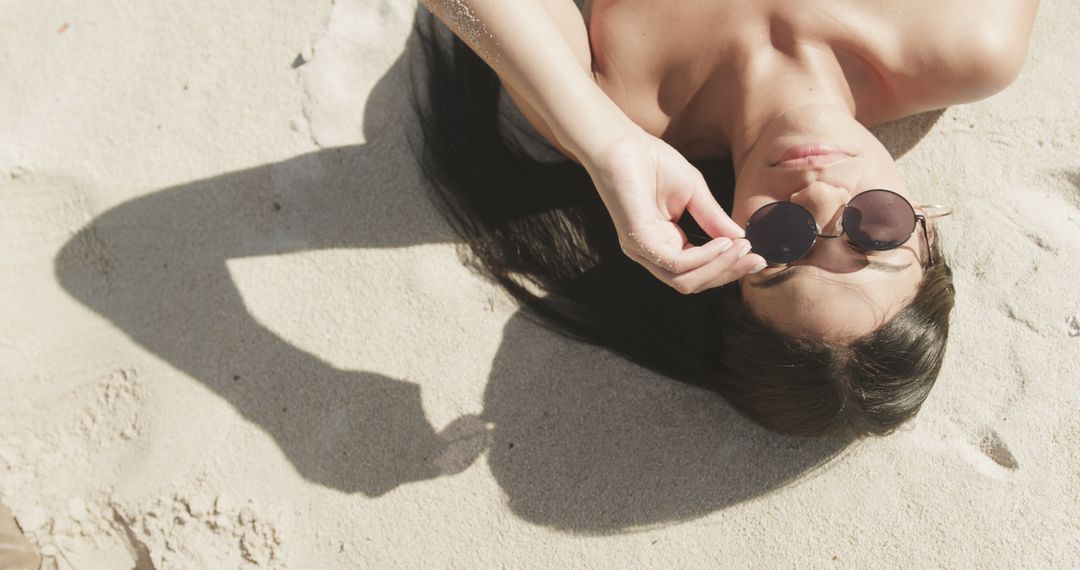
pixel 818 304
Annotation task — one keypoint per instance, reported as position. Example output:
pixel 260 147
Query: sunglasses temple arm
pixel 926 236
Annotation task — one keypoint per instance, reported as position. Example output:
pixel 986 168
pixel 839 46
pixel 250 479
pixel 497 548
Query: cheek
pixel 746 199
pixel 740 215
pixel 760 186
pixel 743 209
pixel 882 172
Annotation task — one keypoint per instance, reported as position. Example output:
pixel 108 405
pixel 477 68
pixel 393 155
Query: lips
pixel 811 155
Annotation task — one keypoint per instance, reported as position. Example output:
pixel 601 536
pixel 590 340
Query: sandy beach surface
pixel 235 334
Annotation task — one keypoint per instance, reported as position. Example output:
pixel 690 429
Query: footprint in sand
pixel 991 445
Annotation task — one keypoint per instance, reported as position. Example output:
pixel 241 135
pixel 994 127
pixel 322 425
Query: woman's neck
pixel 765 83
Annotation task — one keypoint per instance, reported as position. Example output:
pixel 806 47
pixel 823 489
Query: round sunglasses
pixel 875 220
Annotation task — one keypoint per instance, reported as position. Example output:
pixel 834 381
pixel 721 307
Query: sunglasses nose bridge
pixel 825 203
pixel 836 225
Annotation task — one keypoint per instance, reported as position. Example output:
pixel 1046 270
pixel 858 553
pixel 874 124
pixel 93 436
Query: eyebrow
pixel 793 270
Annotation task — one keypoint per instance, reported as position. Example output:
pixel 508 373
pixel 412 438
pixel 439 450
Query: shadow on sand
pixel 571 447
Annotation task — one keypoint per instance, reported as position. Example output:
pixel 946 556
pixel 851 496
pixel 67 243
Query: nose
pixel 826 203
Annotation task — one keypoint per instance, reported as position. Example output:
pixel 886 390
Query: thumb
pixel 708 214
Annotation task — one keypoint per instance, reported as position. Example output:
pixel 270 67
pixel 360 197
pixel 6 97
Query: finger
pixel 659 248
pixel 725 268
pixel 737 269
pixel 746 266
pixel 708 214
pixel 694 256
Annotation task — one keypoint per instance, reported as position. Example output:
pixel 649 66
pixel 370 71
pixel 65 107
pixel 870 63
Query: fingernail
pixel 745 249
pixel 758 267
pixel 725 244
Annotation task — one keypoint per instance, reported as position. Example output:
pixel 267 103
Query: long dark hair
pixel 540 230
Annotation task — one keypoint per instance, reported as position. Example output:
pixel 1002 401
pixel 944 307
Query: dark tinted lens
pixel 879 219
pixel 781 232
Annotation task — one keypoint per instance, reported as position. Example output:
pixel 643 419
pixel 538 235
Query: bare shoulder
pixel 964 50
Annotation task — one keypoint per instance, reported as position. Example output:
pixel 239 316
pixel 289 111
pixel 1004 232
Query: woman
pixel 818 335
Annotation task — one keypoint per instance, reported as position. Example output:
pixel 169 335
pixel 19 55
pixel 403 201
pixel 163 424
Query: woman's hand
pixel 646 186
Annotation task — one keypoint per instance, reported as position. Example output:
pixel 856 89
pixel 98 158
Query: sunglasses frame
pixel 919 219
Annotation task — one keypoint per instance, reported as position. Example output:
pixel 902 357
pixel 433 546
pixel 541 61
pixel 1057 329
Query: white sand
pixel 233 333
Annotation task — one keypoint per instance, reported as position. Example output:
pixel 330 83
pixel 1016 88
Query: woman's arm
pixel 526 46
pixel 645 184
